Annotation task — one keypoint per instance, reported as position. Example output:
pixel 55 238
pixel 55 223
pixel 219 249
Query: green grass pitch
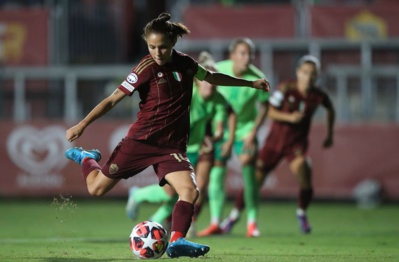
pixel 64 230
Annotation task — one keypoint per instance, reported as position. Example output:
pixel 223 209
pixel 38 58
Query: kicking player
pixel 207 106
pixel 249 119
pixel 158 138
pixel 292 106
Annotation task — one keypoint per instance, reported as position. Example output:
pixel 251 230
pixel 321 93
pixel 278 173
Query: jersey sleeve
pixel 277 97
pixel 139 75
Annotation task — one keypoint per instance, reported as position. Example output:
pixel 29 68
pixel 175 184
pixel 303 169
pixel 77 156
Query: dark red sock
pixel 88 165
pixel 197 210
pixel 181 219
pixel 239 203
pixel 304 198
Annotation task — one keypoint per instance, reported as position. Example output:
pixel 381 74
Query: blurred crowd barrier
pixel 33 161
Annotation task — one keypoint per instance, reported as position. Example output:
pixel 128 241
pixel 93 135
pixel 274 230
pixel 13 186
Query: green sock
pixel 251 193
pixel 216 193
pixel 164 211
pixel 152 193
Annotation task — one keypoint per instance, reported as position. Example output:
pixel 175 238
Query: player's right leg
pixel 216 191
pixel 216 196
pixel 239 203
pixel 97 183
pixel 301 168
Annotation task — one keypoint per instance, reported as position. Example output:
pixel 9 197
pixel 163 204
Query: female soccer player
pixel 207 106
pixel 249 119
pixel 292 106
pixel 164 81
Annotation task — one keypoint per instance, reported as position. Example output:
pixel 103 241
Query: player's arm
pixel 274 112
pixel 231 125
pixel 260 117
pixel 220 79
pixel 101 109
pixel 328 142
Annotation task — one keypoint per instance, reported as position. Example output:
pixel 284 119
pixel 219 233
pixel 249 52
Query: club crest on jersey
pixel 291 99
pixel 113 168
pixel 177 75
pixel 132 78
pixel 160 74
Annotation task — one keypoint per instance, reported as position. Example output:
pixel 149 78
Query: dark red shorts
pixel 269 157
pixel 131 157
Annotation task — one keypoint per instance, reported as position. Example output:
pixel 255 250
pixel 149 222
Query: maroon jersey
pixel 288 99
pixel 165 93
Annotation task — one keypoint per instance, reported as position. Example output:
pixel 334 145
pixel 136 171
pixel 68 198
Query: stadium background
pixel 60 58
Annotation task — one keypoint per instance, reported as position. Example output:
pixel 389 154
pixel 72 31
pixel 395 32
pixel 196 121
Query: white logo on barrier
pixel 40 153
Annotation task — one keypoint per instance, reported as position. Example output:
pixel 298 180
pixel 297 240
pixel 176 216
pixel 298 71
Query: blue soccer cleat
pixel 304 224
pixel 132 207
pixel 77 154
pixel 184 248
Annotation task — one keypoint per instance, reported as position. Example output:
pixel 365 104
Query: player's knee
pixel 96 191
pixel 189 194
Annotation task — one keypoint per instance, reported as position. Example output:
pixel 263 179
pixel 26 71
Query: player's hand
pixel 226 149
pixel 207 145
pixel 74 133
pixel 296 117
pixel 249 142
pixel 328 142
pixel 261 84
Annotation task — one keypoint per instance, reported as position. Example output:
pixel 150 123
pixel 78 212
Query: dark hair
pixel 162 25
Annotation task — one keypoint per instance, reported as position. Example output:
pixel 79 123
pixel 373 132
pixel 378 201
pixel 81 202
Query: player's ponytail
pixel 162 25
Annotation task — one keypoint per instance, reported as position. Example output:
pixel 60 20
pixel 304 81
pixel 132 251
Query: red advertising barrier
pixel 355 22
pixel 24 37
pixel 251 21
pixel 33 162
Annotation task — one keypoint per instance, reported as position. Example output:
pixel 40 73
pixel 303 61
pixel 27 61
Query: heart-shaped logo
pixel 38 151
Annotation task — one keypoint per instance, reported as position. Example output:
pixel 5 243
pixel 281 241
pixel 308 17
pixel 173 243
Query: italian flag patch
pixel 177 75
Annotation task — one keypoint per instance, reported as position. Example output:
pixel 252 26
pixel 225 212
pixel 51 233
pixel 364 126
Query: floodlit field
pixel 63 230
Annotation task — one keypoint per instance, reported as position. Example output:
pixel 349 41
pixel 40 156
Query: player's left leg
pixel 251 192
pixel 186 187
pixel 300 166
pixel 202 171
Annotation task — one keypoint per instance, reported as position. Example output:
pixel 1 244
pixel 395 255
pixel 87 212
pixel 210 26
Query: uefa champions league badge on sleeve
pixel 132 78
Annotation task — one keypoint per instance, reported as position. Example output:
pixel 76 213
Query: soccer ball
pixel 148 240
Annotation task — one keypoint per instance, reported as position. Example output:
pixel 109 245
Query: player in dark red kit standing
pixel 164 81
pixel 291 108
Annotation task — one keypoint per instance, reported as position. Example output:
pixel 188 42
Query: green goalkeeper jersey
pixel 201 112
pixel 242 100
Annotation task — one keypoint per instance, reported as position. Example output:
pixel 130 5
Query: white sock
pixel 215 221
pixel 300 212
pixel 235 214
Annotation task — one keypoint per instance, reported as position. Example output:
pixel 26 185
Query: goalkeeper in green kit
pixel 249 118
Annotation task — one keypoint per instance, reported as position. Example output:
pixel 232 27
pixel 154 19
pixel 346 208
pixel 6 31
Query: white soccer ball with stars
pixel 148 240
